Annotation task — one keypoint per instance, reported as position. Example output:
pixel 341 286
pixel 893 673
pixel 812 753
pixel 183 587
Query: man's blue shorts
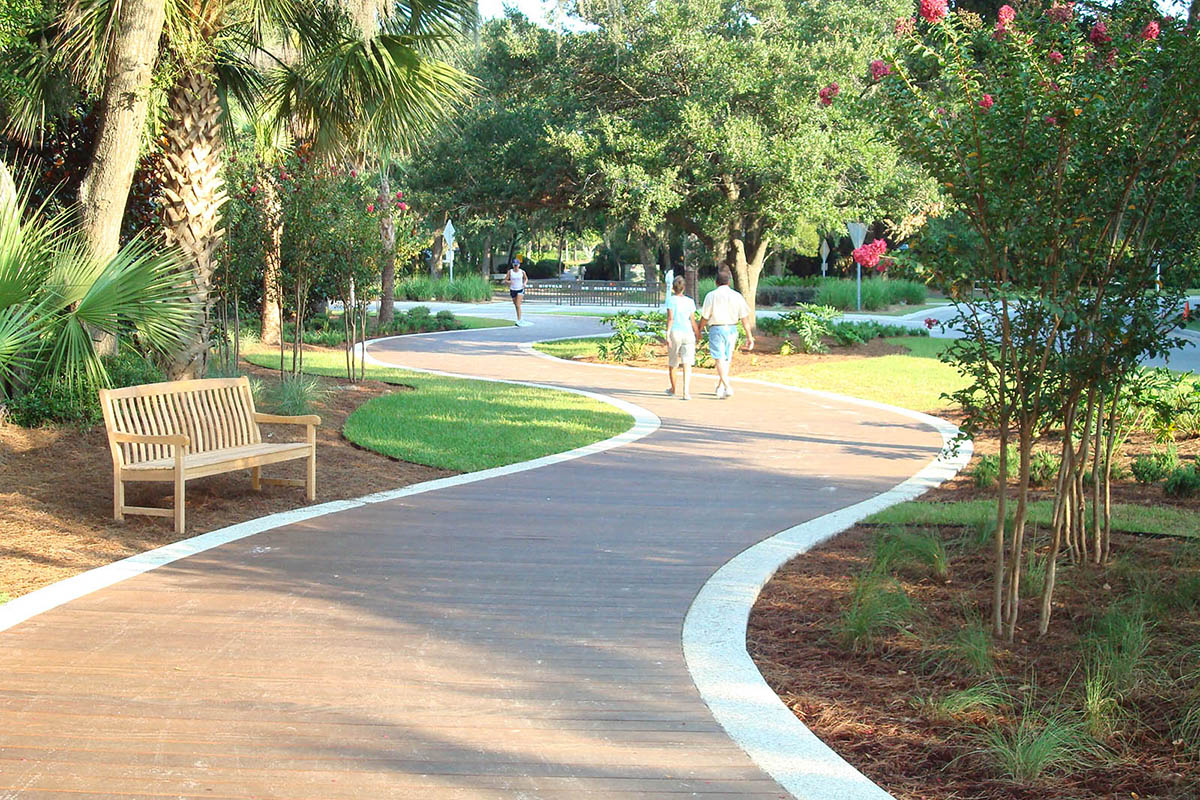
pixel 722 339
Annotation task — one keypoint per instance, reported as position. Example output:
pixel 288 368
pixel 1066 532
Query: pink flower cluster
pixel 869 254
pixel 828 93
pixel 1055 57
pixel 1099 34
pixel 934 10
pixel 905 26
pixel 1151 31
pixel 1061 13
pixel 930 322
pixel 880 69
pixel 1004 19
pixel 986 102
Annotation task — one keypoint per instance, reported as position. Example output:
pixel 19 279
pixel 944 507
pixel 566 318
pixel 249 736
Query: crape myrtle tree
pixel 705 115
pixel 1069 141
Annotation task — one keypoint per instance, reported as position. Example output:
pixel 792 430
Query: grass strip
pixel 462 424
pixel 1126 517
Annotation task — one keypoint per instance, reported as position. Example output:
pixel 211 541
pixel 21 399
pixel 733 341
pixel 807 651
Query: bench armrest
pixel 177 439
pixel 277 419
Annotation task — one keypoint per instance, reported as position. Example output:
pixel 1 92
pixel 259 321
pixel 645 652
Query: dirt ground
pixel 56 493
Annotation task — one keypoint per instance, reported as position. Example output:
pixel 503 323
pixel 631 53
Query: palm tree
pixel 328 75
pixel 53 293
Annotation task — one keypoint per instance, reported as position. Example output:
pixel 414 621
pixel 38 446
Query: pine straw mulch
pixel 868 706
pixel 56 492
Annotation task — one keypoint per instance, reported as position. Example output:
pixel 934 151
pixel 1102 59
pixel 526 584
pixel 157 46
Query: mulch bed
pixel 868 705
pixel 56 492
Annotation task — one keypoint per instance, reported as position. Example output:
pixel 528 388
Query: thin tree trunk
pixel 104 191
pixel 562 243
pixel 1001 527
pixel 272 297
pixel 485 263
pixel 195 193
pixel 387 234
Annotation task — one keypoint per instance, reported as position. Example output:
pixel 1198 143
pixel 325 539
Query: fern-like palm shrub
pixel 55 298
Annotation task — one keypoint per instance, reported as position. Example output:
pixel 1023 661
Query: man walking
pixel 723 309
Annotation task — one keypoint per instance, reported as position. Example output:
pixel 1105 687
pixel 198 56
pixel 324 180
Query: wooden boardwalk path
pixel 517 637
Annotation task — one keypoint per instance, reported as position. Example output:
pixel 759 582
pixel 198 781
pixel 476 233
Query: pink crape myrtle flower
pixel 399 195
pixel 828 93
pixel 934 10
pixel 1099 34
pixel 370 208
pixel 868 255
pixel 1061 13
pixel 402 206
pixel 986 102
pixel 1055 57
pixel 880 69
pixel 904 27
pixel 1006 15
pixel 930 322
pixel 1151 31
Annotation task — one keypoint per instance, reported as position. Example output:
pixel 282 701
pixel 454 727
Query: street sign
pixel 858 232
pixel 448 235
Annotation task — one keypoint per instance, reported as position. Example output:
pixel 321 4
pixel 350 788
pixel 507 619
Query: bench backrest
pixel 215 414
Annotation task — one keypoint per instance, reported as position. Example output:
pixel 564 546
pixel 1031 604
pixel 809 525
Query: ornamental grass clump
pixel 1066 142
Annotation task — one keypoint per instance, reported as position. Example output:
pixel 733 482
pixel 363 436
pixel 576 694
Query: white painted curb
pixel 56 594
pixel 714 631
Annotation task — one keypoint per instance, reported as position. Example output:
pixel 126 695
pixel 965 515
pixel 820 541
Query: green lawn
pixel 1163 520
pixel 914 381
pixel 900 311
pixel 461 424
pixel 484 322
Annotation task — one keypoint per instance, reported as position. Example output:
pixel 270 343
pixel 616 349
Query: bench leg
pixel 256 478
pixel 310 482
pixel 118 497
pixel 180 505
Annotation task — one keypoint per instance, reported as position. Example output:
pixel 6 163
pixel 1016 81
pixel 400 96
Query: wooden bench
pixel 171 432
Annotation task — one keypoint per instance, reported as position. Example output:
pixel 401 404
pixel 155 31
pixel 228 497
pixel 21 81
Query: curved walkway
pixel 518 637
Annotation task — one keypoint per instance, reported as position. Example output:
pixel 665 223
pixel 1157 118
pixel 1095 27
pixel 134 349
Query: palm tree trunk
pixel 195 193
pixel 272 296
pixel 387 234
pixel 123 106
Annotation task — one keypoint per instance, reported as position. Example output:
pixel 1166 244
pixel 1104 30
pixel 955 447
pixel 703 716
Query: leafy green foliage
pixel 877 293
pixel 862 332
pixel 810 324
pixel 986 471
pixel 1156 466
pixel 295 394
pixel 1040 741
pixel 627 342
pixel 1184 481
pixel 466 289
pixel 897 547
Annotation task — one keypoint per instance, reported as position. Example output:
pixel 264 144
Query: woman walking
pixel 682 332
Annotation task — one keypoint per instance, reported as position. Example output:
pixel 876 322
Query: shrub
pixel 987 471
pixel 416 289
pixel 295 394
pixel 1101 710
pixel 544 268
pixel 467 289
pixel 877 293
pixel 1118 645
pixel 972 647
pixel 447 321
pixel 771 326
pixel 848 333
pixel 1186 728
pixel 898 546
pixel 1040 741
pixel 784 295
pixel 627 342
pixel 1044 467
pixel 878 603
pixel 988 696
pixel 55 402
pixel 1156 466
pixel 810 323
pixel 1183 482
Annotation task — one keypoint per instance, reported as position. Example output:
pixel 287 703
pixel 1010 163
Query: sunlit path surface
pixel 518 637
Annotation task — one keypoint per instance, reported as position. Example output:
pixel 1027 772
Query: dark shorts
pixel 514 292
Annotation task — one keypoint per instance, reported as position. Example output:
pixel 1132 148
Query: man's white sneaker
pixel 720 392
pixel 729 391
pixel 687 397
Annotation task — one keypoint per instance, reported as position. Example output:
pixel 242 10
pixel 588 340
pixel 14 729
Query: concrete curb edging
pixel 22 608
pixel 714 630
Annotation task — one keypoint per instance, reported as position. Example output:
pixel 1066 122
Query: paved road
pixel 517 637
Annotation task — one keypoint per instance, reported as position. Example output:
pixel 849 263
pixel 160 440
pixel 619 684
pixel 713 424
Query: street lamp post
pixel 858 232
